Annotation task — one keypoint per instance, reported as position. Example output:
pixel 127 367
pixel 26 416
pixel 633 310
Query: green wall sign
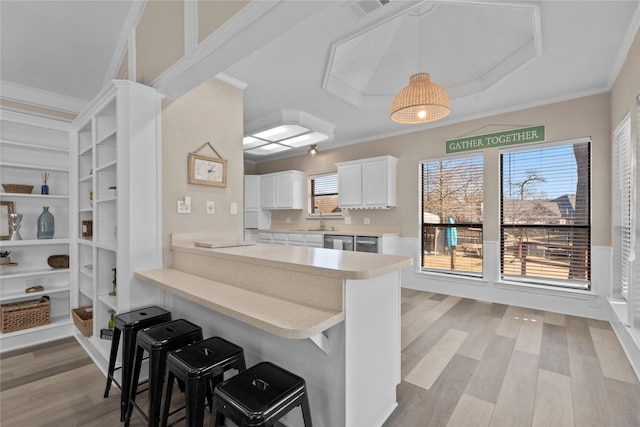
pixel 498 139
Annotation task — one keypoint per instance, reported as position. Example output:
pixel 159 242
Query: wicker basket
pixel 17 188
pixel 25 314
pixel 83 319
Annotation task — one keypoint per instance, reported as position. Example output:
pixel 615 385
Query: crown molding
pixel 42 98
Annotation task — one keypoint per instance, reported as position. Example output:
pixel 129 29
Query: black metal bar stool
pixel 260 396
pixel 128 324
pixel 201 366
pixel 158 341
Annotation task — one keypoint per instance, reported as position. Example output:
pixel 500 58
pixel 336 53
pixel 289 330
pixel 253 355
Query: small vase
pixel 46 224
pixel 44 189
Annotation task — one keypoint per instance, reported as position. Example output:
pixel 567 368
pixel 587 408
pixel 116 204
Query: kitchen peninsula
pixel 332 317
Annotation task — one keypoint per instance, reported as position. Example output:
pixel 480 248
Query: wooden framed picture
pixel 6 208
pixel 205 170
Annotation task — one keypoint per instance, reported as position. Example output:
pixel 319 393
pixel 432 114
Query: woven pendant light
pixel 421 102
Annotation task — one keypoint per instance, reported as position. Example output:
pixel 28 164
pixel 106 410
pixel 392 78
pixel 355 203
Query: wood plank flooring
pixel 471 363
pixel 464 363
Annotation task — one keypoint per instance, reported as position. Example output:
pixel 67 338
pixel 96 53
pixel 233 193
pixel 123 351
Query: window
pixel 323 190
pixel 623 200
pixel 546 215
pixel 452 192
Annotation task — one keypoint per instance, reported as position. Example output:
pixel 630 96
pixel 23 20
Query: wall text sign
pixel 498 139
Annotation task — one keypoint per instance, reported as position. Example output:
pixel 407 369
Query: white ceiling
pixel 340 61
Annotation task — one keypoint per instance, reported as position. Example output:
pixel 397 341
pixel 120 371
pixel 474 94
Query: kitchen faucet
pixel 321 225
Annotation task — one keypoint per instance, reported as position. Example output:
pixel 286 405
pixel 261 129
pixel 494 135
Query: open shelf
pixel 12 296
pixel 32 273
pixel 55 321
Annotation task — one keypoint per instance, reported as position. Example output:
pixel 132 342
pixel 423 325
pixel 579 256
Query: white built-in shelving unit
pixel 30 145
pixel 116 143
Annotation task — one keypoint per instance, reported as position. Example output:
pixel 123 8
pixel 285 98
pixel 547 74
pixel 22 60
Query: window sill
pixel 453 277
pixel 547 290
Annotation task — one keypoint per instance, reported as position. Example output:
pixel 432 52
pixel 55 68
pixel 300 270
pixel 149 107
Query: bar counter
pixel 332 317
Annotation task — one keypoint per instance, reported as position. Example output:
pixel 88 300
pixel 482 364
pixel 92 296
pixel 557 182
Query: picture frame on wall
pixel 6 208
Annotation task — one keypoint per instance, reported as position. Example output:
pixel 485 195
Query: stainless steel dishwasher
pixel 336 241
pixel 367 244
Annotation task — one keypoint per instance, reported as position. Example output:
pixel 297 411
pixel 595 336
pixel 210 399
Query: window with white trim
pixel 323 194
pixel 545 218
pixel 452 194
pixel 623 200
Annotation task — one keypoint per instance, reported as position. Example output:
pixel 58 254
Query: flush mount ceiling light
pixel 421 102
pixel 313 151
pixel 285 130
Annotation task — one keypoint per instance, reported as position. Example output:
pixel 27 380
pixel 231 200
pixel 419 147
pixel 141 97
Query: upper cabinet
pixel 282 190
pixel 367 183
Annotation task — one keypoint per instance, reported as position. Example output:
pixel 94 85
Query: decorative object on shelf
pixel 87 228
pixel 106 334
pixel 14 221
pixel 6 209
pixel 112 191
pixel 5 258
pixel 25 314
pixel 18 188
pixel 205 170
pixel 44 189
pixel 313 151
pixel 83 319
pixel 58 261
pixel 113 293
pixel 46 224
pixel 112 319
pixel 90 199
pixel 32 289
pixel 421 102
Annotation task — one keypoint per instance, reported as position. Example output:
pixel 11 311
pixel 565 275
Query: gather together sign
pixel 498 139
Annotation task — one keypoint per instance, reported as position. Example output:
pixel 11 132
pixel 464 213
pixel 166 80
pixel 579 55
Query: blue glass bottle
pixel 46 224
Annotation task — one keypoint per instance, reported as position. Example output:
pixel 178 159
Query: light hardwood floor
pixel 464 363
pixel 471 363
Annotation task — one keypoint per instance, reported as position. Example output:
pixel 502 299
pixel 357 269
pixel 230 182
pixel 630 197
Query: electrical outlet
pixel 347 220
pixel 366 221
pixel 234 208
pixel 288 220
pixel 211 208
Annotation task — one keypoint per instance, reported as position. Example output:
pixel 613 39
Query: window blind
pixel 452 194
pixel 324 194
pixel 546 215
pixel 623 202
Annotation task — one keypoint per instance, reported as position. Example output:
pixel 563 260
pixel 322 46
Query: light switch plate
pixel 234 208
pixel 183 208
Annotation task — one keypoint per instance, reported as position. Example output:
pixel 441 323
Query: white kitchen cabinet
pixel 313 240
pixel 254 216
pixel 282 190
pixel 117 143
pixel 29 146
pixel 367 183
pixel 252 192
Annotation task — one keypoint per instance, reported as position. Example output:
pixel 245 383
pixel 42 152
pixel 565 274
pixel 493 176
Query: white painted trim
pixel 42 98
pixel 231 80
pixel 625 46
pixel 132 56
pixel 133 18
pixel 31 120
pixel 568 301
pixel 191 28
pixel 244 18
pixel 628 337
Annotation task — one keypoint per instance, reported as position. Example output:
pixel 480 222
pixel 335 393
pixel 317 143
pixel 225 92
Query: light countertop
pixel 364 233
pixel 290 291
pixel 319 261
